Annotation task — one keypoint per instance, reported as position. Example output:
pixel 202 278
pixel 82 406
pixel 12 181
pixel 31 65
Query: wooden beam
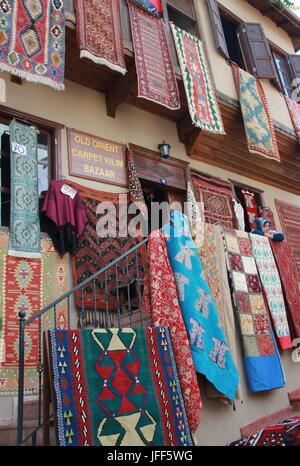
pixel 188 133
pixel 119 91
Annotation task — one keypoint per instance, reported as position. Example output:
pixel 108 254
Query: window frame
pixel 258 193
pixel 284 55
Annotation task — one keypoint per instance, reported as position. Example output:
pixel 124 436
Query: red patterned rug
pixel 156 77
pixel 289 216
pixel 294 109
pixel 99 33
pixel 290 279
pixel 251 208
pixel 216 196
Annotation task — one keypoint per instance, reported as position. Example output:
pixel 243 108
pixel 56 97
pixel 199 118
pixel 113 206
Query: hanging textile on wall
pixel 156 77
pixel 64 217
pixel 270 280
pixel 213 260
pixel 251 208
pixel 134 185
pixel 195 216
pixel 239 214
pixel 294 109
pixel 216 196
pixel 260 133
pixel 209 347
pixel 152 6
pixel 99 33
pixel 95 252
pixel 290 280
pixel 28 285
pixel 261 357
pixel 24 238
pixel 138 404
pixel 200 92
pixel 33 41
pixel 289 216
pixel 165 310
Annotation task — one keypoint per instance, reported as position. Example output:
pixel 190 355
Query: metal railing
pixel 127 313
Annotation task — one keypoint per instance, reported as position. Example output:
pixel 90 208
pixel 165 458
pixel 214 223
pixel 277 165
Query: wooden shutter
pixel 294 62
pixel 125 21
pixel 184 6
pixel 217 27
pixel 256 51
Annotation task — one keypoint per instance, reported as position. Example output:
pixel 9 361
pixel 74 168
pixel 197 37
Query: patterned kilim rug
pixel 99 33
pixel 33 40
pixel 163 306
pixel 29 285
pixel 200 93
pixel 24 240
pixel 261 358
pixel 134 185
pixel 294 109
pixel 260 133
pixel 290 280
pixel 117 387
pixel 156 77
pixel 216 196
pixel 289 216
pixel 96 252
pixel 270 280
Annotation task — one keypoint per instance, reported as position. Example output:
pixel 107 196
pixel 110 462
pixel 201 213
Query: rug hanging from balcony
pixel 28 285
pixel 260 133
pixel 209 346
pixel 95 252
pixel 200 92
pixel 164 308
pixel 33 40
pixel 152 6
pixel 294 109
pixel 117 387
pixel 24 238
pixel 261 358
pixel 289 216
pixel 251 208
pixel 270 280
pixel 213 260
pixel 154 67
pixel 290 280
pixel 216 196
pixel 99 33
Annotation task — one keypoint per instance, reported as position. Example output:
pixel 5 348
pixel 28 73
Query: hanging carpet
pixel 260 133
pixel 154 67
pixel 209 346
pixel 117 387
pixel 152 6
pixel 289 216
pixel 200 92
pixel 96 252
pixel 165 310
pixel 294 109
pixel 216 196
pixel 28 285
pixel 24 238
pixel 99 33
pixel 33 40
pixel 261 358
pixel 251 208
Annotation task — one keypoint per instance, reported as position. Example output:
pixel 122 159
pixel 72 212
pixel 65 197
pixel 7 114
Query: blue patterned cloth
pixel 209 347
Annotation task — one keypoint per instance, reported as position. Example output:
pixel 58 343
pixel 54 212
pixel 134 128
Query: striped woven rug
pixel 289 215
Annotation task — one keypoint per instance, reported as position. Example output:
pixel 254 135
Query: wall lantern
pixel 164 149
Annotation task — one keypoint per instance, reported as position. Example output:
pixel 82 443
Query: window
pixel 48 167
pixel 284 76
pixel 231 38
pixel 182 14
pixel 239 190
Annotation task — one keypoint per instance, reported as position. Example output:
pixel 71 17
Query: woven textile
pixel 290 280
pixel 270 280
pixel 33 40
pixel 117 387
pixel 209 347
pixel 95 252
pixel 152 6
pixel 156 77
pixel 261 358
pixel 294 109
pixel 134 185
pixel 284 434
pixel 213 260
pixel 260 133
pixel 28 285
pixel 251 208
pixel 165 310
pixel 289 216
pixel 195 211
pixel 24 240
pixel 216 196
pixel 99 33
pixel 200 93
